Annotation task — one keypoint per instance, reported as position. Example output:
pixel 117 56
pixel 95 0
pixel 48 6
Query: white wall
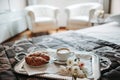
pixel 11 23
pixel 61 4
pixel 12 5
pixel 17 4
pixel 32 2
pixel 115 7
pixel 4 5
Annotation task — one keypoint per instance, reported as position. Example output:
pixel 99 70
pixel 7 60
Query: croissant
pixel 37 58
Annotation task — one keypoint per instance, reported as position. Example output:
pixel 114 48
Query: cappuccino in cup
pixel 63 54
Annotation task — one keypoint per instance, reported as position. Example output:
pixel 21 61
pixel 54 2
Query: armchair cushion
pixel 43 20
pixel 79 19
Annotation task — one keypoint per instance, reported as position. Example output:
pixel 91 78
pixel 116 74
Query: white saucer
pixel 60 62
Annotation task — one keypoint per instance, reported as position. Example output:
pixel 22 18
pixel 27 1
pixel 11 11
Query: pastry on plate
pixel 37 58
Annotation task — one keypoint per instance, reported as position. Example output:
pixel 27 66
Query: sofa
pixel 11 24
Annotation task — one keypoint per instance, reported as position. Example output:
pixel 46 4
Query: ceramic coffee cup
pixel 63 54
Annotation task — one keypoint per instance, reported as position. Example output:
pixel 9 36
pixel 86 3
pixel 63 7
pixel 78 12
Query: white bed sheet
pixel 108 32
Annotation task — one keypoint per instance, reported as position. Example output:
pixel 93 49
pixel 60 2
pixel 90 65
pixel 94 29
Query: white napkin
pixel 47 68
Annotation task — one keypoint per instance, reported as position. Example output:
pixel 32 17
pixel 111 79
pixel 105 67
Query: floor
pixel 29 34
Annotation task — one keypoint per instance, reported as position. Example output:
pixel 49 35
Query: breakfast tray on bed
pixel 50 70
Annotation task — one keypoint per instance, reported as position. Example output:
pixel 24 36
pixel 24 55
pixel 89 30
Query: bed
pixel 103 40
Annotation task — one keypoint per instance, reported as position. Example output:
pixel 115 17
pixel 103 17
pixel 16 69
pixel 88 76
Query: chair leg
pixel 62 28
pixel 40 33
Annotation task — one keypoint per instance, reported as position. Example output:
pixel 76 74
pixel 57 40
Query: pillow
pixel 115 18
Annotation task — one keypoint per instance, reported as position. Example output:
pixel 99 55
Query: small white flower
pixel 75 69
pixel 70 62
pixel 75 64
pixel 81 74
pixel 77 72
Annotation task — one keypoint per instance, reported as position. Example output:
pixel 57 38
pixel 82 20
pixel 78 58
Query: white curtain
pixel 32 2
pixel 101 1
pixel 105 5
pixel 4 6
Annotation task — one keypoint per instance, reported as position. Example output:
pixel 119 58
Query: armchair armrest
pixel 55 15
pixel 30 12
pixel 94 9
pixel 30 17
pixel 68 14
pixel 91 14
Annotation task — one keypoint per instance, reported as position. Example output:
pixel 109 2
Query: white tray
pixel 87 58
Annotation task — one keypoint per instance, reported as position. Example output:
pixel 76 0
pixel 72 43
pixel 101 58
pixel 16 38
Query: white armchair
pixel 79 15
pixel 41 18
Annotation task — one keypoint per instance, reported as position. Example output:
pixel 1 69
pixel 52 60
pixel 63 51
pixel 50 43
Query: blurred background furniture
pixel 11 24
pixel 115 18
pixel 100 17
pixel 79 15
pixel 41 18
